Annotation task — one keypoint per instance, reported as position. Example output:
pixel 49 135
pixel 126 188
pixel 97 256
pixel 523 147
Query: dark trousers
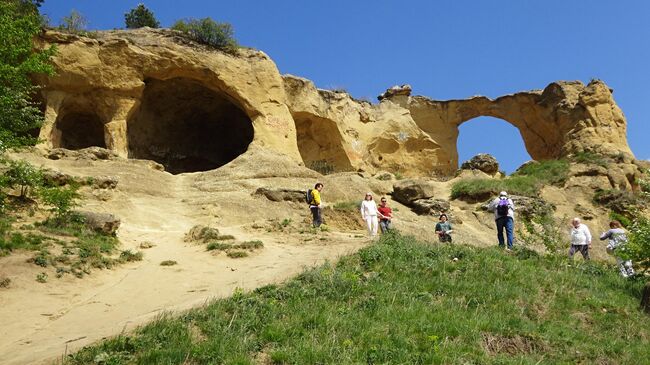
pixel 508 224
pixel 316 214
pixel 583 249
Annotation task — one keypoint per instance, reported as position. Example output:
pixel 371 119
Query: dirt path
pixel 43 322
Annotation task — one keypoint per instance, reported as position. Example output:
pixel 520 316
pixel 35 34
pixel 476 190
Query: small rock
pixel 101 222
pixel 483 162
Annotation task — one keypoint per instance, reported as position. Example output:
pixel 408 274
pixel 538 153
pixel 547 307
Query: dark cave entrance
pixel 319 143
pixel 78 127
pixel 187 127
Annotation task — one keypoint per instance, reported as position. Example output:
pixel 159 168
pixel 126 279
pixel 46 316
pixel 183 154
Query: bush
pixel 24 175
pixel 140 17
pixel 590 158
pixel 551 171
pixel 209 32
pixel 638 247
pixel 62 200
pixel 545 230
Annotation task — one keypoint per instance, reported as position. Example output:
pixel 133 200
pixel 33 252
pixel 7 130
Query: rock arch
pixel 564 118
pixel 187 126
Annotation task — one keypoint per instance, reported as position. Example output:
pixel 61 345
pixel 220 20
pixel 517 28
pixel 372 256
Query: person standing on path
pixel 617 241
pixel 580 239
pixel 504 217
pixel 385 215
pixel 315 205
pixel 369 214
pixel 443 229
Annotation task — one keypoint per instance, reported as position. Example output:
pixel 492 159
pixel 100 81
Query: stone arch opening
pixel 495 136
pixel 78 126
pixel 320 144
pixel 187 127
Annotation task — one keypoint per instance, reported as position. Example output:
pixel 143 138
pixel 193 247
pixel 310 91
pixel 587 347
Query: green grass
pixel 403 302
pixel 347 205
pixel 527 181
pixel 591 158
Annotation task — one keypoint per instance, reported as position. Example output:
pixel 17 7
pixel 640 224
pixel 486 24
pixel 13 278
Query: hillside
pixel 401 301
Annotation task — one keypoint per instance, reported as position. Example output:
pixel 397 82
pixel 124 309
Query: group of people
pixel 380 217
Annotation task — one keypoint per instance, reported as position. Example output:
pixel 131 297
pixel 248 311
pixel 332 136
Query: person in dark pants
pixel 315 205
pixel 580 239
pixel 504 217
pixel 385 215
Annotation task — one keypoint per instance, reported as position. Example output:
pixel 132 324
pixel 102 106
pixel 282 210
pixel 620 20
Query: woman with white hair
pixel 580 239
pixel 369 214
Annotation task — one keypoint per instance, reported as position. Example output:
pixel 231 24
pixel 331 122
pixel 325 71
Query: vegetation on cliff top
pixel 401 301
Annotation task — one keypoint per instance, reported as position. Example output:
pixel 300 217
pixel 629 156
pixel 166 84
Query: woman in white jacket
pixel 369 214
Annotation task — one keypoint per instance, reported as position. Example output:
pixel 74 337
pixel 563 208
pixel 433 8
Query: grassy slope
pixel 402 302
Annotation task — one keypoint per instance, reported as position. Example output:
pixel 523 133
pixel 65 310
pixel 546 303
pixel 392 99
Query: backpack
pixel 502 207
pixel 309 196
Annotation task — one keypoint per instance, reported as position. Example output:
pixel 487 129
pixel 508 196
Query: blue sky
pixel 444 49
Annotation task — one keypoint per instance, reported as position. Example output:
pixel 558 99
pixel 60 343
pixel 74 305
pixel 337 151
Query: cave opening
pixel 320 144
pixel 77 127
pixel 187 127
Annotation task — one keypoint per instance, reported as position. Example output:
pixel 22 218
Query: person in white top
pixel 580 239
pixel 369 214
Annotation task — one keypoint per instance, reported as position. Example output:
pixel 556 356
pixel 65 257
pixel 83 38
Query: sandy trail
pixel 43 322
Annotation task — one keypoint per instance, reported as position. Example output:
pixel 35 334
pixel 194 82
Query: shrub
pixel 140 17
pixel 551 171
pixel 588 157
pixel 209 32
pixel 74 23
pixel 250 245
pixel 237 254
pixel 168 263
pixel 638 247
pixel 128 256
pixel 481 189
pixel 62 200
pixel 545 230
pixel 218 246
pixel 321 166
pixel 24 175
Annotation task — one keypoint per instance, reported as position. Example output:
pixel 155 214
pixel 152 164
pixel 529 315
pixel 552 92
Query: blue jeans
pixel 384 225
pixel 508 224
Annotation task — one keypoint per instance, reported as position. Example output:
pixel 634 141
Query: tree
pixel 20 22
pixel 140 17
pixel 74 23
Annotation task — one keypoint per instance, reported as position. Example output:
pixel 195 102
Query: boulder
pixel 407 191
pixel 279 195
pixel 105 223
pixel 483 162
pixel 430 206
pixel 396 90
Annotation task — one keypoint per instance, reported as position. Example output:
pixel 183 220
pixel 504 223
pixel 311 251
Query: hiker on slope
pixel 580 239
pixel 617 241
pixel 504 217
pixel 369 214
pixel 315 205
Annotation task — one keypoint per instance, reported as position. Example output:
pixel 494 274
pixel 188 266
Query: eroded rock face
pixel 149 93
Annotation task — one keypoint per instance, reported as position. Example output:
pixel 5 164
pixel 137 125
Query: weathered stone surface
pixel 483 162
pixel 105 182
pixel 143 71
pixel 101 222
pixel 430 206
pixel 408 191
pixel 397 90
pixel 56 178
pixel 278 195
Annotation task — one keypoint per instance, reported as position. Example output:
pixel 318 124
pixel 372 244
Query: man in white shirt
pixel 580 239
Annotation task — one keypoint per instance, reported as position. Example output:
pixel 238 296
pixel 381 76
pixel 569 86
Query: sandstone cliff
pixel 152 94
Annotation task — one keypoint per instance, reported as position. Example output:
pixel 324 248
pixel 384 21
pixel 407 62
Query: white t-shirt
pixel 580 236
pixel 368 207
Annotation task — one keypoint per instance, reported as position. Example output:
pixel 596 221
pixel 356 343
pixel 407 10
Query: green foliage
pixel 42 277
pixel 74 23
pixel 625 221
pixel 129 256
pixel 237 254
pixel 220 246
pixel 61 199
pixel 19 60
pixel 209 32
pixel 23 175
pixel 140 17
pixel 546 230
pixel 644 183
pixel 404 302
pixel 622 202
pixel 321 166
pixel 527 181
pixel 590 158
pixel 638 247
pixel 347 205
